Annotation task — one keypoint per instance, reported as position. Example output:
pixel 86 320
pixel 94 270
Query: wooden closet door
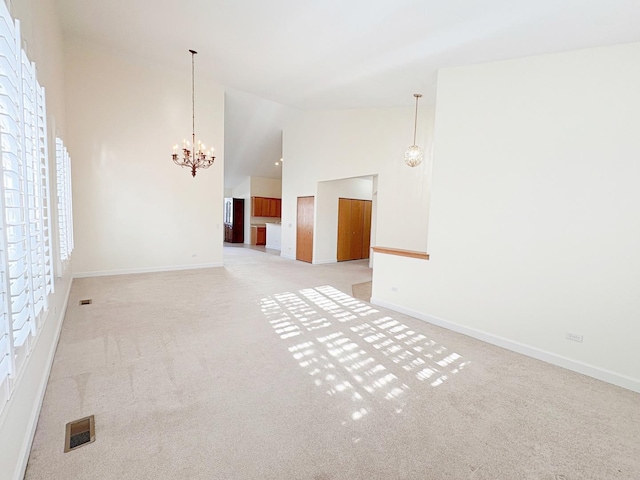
pixel 344 229
pixel 354 229
pixel 304 229
pixel 366 229
pixel 357 229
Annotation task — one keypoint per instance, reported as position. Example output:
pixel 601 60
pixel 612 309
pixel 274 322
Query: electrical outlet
pixel 575 337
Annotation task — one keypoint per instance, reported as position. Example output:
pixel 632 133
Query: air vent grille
pixel 79 432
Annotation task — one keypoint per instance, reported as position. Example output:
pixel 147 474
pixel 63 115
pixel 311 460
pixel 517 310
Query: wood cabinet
pixel 258 235
pixel 266 207
pixel 354 229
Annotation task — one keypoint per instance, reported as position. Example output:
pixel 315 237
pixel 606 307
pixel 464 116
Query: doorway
pixel 304 229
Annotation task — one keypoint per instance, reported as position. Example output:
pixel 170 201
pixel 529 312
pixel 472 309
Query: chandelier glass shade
pixel 414 155
pixel 193 155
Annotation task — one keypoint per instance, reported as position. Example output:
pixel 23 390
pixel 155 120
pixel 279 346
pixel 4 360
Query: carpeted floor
pixel 361 291
pixel 269 369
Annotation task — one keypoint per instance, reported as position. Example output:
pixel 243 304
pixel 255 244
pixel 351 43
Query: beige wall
pixel 534 226
pixel 134 209
pixel 332 145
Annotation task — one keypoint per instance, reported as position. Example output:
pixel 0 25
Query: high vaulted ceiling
pixel 329 54
pixel 345 53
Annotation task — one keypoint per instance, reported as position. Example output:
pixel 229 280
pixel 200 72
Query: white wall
pixel 134 209
pixel 331 145
pixel 266 187
pixel 253 136
pixel 42 37
pixel 534 227
pixel 325 242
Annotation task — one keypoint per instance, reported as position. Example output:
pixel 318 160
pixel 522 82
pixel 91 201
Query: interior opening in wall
pixel 254 165
pixel 346 214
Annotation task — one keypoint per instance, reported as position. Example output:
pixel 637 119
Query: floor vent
pixel 88 301
pixel 79 433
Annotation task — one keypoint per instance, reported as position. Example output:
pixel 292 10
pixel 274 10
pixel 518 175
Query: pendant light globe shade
pixel 413 156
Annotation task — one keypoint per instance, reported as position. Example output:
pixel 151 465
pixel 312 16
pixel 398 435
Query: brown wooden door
pixel 344 229
pixel 357 226
pixel 366 230
pixel 237 234
pixel 304 229
pixel 354 229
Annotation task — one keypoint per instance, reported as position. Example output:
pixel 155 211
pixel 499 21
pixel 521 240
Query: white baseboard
pixel 130 271
pixel 288 257
pixel 323 262
pixel 549 357
pixel 42 388
pixel 273 247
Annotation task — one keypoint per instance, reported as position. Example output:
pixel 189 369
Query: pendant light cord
pixel 415 120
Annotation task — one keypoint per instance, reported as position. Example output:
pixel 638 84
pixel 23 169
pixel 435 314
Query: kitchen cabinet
pixel 258 235
pixel 266 207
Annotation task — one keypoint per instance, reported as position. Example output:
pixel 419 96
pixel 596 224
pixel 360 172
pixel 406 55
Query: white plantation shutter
pixel 43 180
pixel 26 270
pixel 6 359
pixel 15 152
pixel 9 138
pixel 65 213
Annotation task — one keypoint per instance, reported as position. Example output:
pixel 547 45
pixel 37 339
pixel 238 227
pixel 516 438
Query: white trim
pixel 35 414
pixel 288 257
pixel 605 375
pixel 323 262
pixel 129 271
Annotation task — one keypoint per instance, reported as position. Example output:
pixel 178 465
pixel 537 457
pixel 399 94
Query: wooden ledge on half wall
pixel 402 253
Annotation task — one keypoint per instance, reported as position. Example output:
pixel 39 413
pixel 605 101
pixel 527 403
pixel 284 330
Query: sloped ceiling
pixel 341 54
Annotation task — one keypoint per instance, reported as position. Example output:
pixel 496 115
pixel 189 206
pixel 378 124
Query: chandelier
pixel 194 155
pixel 413 155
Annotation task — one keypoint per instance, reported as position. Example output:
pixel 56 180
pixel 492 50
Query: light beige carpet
pixel 267 369
pixel 362 291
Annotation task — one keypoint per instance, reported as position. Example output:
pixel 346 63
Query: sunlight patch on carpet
pixel 353 351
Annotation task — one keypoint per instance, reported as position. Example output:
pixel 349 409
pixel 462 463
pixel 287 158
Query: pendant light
pixel 194 156
pixel 413 155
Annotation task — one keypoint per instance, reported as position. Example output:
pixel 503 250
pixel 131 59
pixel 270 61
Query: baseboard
pixel 549 357
pixel 130 271
pixel 42 388
pixel 323 262
pixel 273 247
pixel 288 257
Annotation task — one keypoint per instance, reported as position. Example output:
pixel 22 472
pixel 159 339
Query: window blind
pixel 65 212
pixel 26 268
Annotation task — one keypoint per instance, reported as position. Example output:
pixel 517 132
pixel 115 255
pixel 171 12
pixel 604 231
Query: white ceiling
pixel 325 54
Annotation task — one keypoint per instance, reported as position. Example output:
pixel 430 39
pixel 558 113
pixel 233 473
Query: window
pixel 65 219
pixel 26 277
